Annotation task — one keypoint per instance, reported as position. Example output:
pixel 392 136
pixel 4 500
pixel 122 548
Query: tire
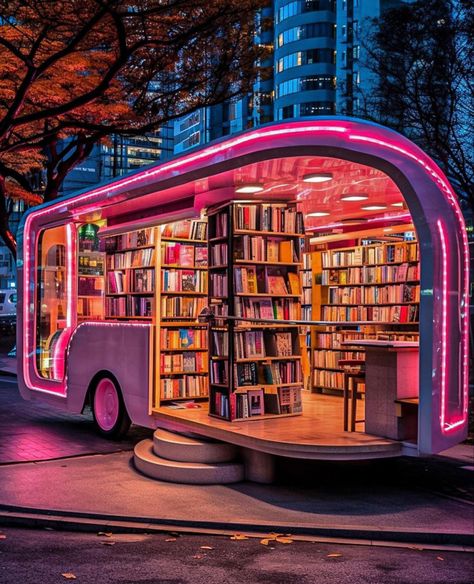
pixel 111 419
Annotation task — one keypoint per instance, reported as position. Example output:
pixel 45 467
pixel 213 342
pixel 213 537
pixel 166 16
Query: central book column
pixel 254 262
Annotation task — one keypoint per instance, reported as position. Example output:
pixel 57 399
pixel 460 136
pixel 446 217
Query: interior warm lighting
pixel 400 204
pixel 354 197
pixel 319 214
pixel 317 177
pixel 374 207
pixel 249 189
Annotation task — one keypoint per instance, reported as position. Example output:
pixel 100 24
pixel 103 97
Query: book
pixel 286 251
pixel 256 402
pixel 294 283
pixel 276 284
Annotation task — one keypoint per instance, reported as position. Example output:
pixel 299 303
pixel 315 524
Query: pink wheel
pixel 109 412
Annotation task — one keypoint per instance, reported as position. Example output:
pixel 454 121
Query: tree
pixel 421 55
pixel 83 70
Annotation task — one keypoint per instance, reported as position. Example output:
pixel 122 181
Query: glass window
pixel 317 108
pixel 51 310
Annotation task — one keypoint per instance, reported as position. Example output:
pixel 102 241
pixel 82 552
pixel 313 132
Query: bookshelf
pixel 130 275
pixel 182 287
pixel 90 274
pixel 378 283
pixel 254 263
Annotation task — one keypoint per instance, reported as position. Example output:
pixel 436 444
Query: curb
pixel 13 516
pixel 8 373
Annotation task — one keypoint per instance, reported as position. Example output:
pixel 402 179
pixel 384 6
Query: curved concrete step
pixel 187 448
pixel 193 473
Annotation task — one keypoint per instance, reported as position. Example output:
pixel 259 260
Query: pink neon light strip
pixel 264 134
pixel 452 199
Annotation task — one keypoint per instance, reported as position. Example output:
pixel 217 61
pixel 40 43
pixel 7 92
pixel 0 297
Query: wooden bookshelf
pixel 377 283
pixel 182 286
pixel 130 275
pixel 254 263
pixel 90 274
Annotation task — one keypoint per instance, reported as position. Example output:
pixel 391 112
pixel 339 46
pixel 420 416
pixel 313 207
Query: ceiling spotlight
pixel 354 197
pixel 374 207
pixel 400 204
pixel 317 177
pixel 318 214
pixel 249 189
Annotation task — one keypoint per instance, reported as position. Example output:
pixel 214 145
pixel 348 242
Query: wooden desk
pixel 391 374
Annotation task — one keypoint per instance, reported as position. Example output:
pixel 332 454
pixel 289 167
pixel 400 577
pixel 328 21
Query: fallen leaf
pixel 105 534
pixel 265 541
pixel 334 555
pixel 174 534
pixel 107 542
pixel 283 540
pixel 68 576
pixel 198 557
pixel 440 558
pixel 3 536
pixel 171 539
pixel 238 536
pixel 416 547
pixel 206 547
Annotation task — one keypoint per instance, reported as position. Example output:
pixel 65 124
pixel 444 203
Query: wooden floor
pixel 316 434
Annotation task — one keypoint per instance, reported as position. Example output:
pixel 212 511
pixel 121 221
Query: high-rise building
pixel 317 68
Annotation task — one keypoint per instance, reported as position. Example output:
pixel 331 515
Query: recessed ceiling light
pixel 319 214
pixel 248 189
pixel 374 207
pixel 317 177
pixel 400 204
pixel 388 229
pixel 354 197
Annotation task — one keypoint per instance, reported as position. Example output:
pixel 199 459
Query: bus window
pixel 51 308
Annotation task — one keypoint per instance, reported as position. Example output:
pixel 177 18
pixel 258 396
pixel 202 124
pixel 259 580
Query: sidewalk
pixel 93 485
pixel 7 365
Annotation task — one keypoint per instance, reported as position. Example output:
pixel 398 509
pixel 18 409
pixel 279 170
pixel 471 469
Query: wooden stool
pixel 353 370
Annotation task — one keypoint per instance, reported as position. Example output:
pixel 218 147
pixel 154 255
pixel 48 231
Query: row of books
pixel 330 359
pixel 138 281
pixel 220 343
pixel 248 344
pixel 306 296
pixel 372 275
pixel 187 362
pixel 219 285
pixel 328 379
pixel 306 312
pixel 138 238
pixel 183 338
pixel 91 264
pixel 129 306
pixel 334 340
pixel 257 402
pixel 374 294
pixel 183 280
pixel 219 372
pixel 307 261
pixel 268 309
pixel 219 254
pixel 397 313
pixel 265 249
pixel 131 259
pixel 180 307
pixel 273 373
pixel 374 254
pixel 220 221
pixel 265 280
pixel 184 255
pixel 182 387
pixel 90 286
pixel 307 278
pixel 92 308
pixel 268 217
pixel 186 229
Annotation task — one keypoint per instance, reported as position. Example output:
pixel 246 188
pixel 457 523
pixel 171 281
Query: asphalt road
pixel 38 556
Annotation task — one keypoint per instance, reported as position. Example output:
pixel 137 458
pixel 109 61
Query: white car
pixel 8 299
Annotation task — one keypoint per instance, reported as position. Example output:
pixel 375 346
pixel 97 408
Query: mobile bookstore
pixel 298 290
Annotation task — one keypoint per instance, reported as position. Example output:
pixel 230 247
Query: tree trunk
pixel 5 232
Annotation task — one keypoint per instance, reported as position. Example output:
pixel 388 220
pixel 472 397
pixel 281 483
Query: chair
pixel 354 369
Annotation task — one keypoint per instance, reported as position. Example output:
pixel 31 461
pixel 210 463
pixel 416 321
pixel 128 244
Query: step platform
pixel 188 459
